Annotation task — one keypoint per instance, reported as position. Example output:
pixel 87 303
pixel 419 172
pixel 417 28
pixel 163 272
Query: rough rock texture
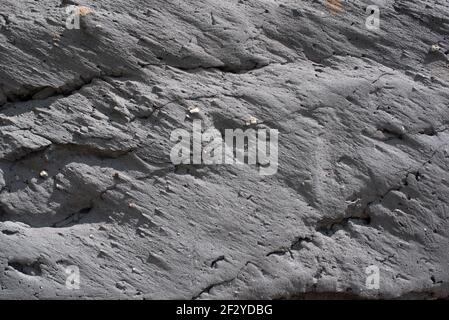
pixel 363 149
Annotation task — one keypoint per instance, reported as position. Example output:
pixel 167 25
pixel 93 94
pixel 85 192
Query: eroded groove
pixel 329 228
pixel 29 268
pixel 47 92
pixel 226 68
pixel 73 218
pixel 74 148
pixel 211 286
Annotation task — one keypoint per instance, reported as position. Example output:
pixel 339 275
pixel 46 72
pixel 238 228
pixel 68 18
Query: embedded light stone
pixel 43 174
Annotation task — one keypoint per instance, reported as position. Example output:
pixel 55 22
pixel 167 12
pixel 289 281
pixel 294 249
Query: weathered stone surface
pixel 363 149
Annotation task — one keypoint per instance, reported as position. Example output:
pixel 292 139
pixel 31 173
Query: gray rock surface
pixel 86 178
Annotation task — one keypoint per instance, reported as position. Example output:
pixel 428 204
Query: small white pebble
pixel 91 236
pixel 134 270
pixel 194 110
pixel 251 120
pixel 43 174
